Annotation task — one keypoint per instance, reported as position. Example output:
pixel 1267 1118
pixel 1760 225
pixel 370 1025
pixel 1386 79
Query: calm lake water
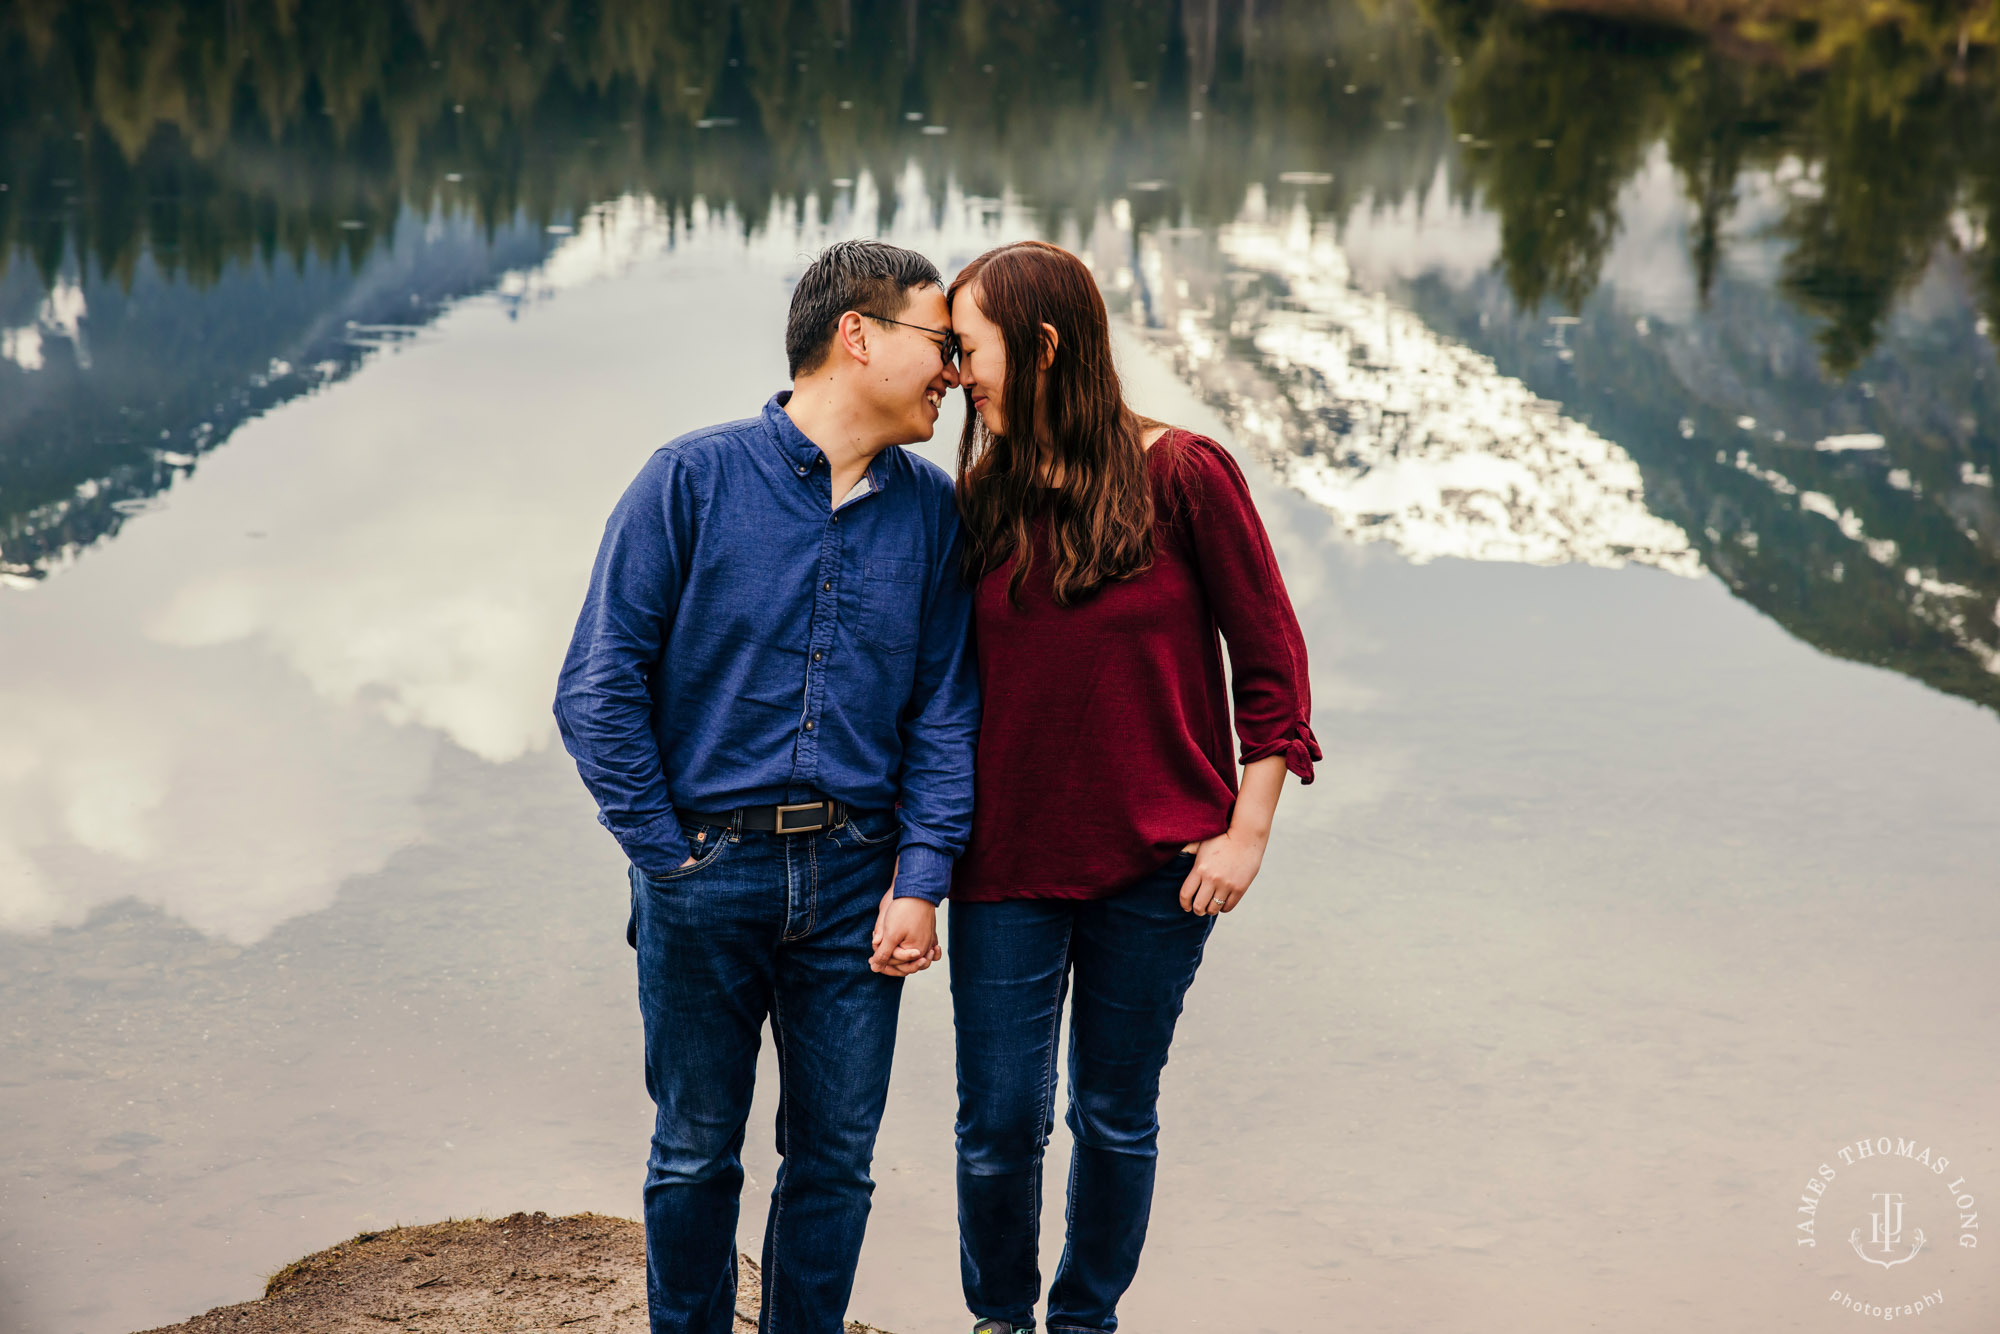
pixel 1625 413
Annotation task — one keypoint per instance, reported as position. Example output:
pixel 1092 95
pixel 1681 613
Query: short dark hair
pixel 872 277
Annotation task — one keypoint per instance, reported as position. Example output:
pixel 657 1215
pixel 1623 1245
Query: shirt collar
pixel 798 448
pixel 802 452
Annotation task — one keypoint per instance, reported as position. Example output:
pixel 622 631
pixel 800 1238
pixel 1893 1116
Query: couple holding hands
pixel 816 687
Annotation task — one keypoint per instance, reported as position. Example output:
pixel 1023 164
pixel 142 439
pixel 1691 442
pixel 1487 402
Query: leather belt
pixel 807 818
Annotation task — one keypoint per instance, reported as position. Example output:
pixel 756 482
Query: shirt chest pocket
pixel 892 603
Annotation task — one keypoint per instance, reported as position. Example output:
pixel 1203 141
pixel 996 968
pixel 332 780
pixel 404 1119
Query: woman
pixel 1109 829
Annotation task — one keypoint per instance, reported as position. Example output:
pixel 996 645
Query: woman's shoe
pixel 992 1326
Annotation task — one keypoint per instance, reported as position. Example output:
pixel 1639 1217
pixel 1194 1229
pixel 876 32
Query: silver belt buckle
pixel 783 811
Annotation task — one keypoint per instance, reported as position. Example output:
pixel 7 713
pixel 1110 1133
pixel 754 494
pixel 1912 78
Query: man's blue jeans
pixel 1132 957
pixel 779 926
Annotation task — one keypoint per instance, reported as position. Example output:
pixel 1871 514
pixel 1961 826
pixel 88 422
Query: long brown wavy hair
pixel 1069 423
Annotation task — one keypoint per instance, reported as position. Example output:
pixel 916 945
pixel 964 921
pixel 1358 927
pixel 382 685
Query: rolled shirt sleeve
pixel 1267 652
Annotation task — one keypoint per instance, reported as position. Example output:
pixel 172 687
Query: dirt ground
pixel 530 1272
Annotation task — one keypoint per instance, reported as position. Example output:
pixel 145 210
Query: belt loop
pixel 736 825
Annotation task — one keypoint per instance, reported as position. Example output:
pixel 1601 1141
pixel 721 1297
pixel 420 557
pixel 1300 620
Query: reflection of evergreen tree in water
pixel 1561 114
pixel 1722 115
pixel 735 117
pixel 1894 134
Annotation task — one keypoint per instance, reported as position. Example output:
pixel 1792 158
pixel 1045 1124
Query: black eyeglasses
pixel 948 349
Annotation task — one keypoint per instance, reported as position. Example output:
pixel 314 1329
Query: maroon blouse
pixel 1104 735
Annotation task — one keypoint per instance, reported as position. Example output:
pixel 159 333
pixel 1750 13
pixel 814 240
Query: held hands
pixel 905 937
pixel 1224 866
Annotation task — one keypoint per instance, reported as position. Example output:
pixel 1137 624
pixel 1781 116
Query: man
pixel 770 696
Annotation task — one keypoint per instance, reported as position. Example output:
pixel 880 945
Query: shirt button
pixel 802 470
pixel 809 724
pixel 828 585
pixel 817 656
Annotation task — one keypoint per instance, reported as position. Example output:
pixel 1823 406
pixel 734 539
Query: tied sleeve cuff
pixel 1298 745
pixel 922 872
pixel 656 847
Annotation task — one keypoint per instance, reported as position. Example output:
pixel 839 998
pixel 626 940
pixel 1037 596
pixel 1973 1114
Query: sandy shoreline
pixel 527 1272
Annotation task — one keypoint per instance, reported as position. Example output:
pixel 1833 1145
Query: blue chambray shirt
pixel 743 643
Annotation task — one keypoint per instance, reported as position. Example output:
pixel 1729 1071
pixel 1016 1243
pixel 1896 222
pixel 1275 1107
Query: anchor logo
pixel 1887 1232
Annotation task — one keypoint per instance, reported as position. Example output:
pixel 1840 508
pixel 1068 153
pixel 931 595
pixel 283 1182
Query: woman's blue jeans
pixel 1129 960
pixel 763 925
